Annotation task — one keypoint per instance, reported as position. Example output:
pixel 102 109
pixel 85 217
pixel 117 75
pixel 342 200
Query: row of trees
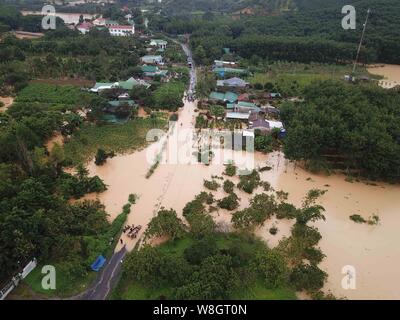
pixel 354 128
pixel 313 29
pixel 36 218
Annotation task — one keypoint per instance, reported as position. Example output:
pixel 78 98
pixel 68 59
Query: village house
pixel 124 85
pixel 260 124
pixel 102 22
pixel 220 63
pixel 84 27
pixel 244 97
pixel 242 106
pixel 222 71
pixel 229 97
pixel 237 116
pixel 232 83
pixel 122 31
pixel 151 59
pixel 152 71
pixel 160 44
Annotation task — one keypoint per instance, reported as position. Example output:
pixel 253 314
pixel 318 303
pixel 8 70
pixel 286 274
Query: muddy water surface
pixel 390 72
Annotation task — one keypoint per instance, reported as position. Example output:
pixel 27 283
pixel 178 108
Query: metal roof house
pixel 99 86
pixel 237 116
pixel 259 124
pixel 125 85
pixel 162 44
pixel 225 97
pixel 151 59
pixel 152 71
pixel 222 71
pixel 234 82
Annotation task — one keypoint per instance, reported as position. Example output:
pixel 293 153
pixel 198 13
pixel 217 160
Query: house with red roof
pixel 84 27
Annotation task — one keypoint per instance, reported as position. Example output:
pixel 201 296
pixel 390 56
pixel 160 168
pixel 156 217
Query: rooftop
pixel 119 27
pixel 227 96
pixel 237 115
pixel 221 70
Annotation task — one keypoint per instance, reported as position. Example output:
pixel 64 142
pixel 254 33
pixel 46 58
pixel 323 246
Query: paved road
pixel 108 276
pixel 106 279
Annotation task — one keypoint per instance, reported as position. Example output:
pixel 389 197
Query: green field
pixel 53 97
pixel 293 77
pixel 116 137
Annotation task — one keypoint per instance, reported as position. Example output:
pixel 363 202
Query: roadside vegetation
pixel 200 262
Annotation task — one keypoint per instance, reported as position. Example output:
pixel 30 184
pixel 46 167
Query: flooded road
pixel 372 250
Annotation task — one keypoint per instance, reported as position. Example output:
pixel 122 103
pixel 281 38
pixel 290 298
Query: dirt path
pixel 7 101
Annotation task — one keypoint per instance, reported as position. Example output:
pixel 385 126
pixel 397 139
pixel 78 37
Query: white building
pixel 162 44
pixel 122 31
pixel 275 124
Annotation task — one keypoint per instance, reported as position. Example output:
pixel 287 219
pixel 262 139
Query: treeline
pixel 36 218
pixel 297 49
pixel 353 128
pixel 66 54
pixel 316 26
pixel 12 19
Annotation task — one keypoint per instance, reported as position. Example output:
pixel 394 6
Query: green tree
pixel 166 223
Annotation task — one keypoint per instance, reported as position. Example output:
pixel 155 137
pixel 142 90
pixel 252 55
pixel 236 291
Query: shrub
pixel 249 182
pixel 211 185
pixel 357 218
pixel 132 198
pixel 273 230
pixel 200 250
pixel 308 277
pixel 228 186
pixel 230 170
pixel 101 157
pixel 231 202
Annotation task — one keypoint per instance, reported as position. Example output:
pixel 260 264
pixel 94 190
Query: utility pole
pixel 361 41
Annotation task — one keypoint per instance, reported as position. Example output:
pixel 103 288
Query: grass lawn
pixel 31 286
pixel 126 290
pixel 284 74
pixel 116 137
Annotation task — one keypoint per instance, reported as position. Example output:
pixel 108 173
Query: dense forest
pixel 354 128
pixel 63 53
pixel 317 23
pixel 36 218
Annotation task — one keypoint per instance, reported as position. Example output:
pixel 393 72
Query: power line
pixel 361 41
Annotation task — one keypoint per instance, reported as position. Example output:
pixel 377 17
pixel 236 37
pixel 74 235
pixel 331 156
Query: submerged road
pixel 106 280
pixel 109 275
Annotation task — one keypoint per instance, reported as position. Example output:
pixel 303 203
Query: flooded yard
pixel 67 17
pixel 372 250
pixel 390 72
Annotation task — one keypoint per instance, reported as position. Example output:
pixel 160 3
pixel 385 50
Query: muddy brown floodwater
pixel 7 102
pixel 372 250
pixel 390 72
